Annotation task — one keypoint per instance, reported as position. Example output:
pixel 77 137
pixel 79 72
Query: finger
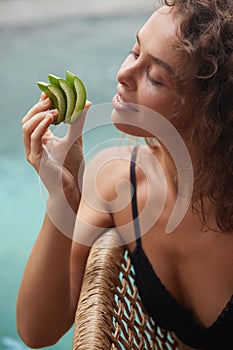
pixel 76 128
pixel 29 127
pixel 88 104
pixel 41 106
pixel 43 97
pixel 38 133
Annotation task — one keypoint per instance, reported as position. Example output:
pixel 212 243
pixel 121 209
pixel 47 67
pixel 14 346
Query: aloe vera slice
pixel 68 92
pixel 70 78
pixel 67 95
pixel 60 101
pixel 57 98
pixel 44 87
pixel 80 94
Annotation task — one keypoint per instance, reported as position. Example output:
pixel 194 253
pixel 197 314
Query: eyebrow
pixel 157 60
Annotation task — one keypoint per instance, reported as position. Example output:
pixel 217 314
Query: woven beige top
pixel 110 314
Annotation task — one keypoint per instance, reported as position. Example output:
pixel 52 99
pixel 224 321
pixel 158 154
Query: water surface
pixel 92 48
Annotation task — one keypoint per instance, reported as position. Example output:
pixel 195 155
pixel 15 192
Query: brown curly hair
pixel 206 41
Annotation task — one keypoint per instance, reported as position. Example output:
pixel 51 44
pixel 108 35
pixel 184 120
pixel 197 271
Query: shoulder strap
pixel 134 196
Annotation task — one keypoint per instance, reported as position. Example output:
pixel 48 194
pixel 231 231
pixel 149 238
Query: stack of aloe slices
pixel 68 96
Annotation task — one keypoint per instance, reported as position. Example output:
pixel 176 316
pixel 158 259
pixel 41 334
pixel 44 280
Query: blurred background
pixel 91 39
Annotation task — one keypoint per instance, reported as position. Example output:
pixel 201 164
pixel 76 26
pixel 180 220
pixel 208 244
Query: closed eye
pixel 153 81
pixel 136 55
pixel 149 77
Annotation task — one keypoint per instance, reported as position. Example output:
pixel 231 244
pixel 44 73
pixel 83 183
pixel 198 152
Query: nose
pixel 129 73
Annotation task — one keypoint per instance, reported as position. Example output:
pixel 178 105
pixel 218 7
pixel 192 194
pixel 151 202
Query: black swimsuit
pixel 164 308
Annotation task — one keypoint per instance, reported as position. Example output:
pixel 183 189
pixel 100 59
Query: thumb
pixel 76 128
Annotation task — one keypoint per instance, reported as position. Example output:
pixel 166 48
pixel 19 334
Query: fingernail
pixel 46 101
pixel 88 104
pixel 42 96
pixel 53 111
pixel 49 116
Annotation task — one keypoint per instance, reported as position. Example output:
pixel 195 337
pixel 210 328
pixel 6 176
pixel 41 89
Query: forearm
pixel 48 293
pixel 44 306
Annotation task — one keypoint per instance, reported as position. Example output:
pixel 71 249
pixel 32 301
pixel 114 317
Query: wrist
pixel 61 209
pixel 66 197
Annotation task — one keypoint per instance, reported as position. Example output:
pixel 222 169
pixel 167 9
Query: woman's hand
pixel 58 161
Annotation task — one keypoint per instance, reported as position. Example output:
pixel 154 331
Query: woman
pixel 180 67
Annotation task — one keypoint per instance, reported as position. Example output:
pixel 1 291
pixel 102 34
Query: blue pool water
pixel 93 48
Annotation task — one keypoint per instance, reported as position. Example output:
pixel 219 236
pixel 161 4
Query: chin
pixel 125 122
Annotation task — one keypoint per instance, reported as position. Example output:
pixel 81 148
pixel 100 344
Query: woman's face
pixel 147 76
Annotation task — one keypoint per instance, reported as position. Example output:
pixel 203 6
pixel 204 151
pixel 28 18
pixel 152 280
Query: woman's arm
pixel 52 279
pixel 45 306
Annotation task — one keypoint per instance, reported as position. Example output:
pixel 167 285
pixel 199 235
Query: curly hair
pixel 206 41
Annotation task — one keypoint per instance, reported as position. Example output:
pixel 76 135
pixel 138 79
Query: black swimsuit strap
pixel 134 196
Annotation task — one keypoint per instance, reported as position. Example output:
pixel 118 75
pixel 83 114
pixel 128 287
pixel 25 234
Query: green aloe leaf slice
pixel 67 92
pixel 57 98
pixel 80 93
pixel 67 95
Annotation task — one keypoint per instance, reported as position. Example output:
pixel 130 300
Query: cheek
pixel 165 104
pixel 159 100
pixel 153 99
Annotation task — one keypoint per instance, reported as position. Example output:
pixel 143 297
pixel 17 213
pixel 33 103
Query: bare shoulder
pixel 109 169
pixel 107 176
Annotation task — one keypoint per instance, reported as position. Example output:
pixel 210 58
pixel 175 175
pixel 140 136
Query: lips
pixel 119 103
pixel 120 99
